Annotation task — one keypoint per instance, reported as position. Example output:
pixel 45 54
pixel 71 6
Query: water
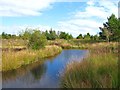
pixel 41 74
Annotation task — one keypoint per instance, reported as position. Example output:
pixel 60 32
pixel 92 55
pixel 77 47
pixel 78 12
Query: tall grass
pixel 13 43
pixel 98 70
pixel 12 60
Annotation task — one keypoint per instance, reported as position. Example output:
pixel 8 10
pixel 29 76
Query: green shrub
pixel 37 40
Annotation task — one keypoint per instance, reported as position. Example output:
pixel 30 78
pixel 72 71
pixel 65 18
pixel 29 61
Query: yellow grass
pixel 98 70
pixel 12 60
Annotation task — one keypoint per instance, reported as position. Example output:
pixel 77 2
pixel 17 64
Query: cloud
pixel 90 2
pixel 16 29
pixel 81 21
pixel 77 26
pixel 90 19
pixel 23 7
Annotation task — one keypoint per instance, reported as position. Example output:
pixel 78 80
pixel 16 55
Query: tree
pixel 62 35
pixel 111 29
pixel 47 35
pixel 6 36
pixel 66 36
pixel 26 34
pixel 80 36
pixel 96 37
pixel 106 33
pixel 87 37
pixel 102 36
pixel 70 36
pixel 37 40
pixel 3 35
pixel 51 35
pixel 113 26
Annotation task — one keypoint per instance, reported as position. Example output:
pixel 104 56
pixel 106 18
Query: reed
pixel 98 70
pixel 12 60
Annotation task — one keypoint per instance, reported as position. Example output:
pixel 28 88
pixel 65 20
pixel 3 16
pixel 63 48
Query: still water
pixel 41 74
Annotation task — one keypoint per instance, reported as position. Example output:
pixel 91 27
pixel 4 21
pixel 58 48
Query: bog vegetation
pixel 99 69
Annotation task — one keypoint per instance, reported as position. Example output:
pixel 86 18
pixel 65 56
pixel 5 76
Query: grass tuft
pixel 98 70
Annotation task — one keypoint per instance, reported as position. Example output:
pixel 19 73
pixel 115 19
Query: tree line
pixel 50 35
pixel 109 32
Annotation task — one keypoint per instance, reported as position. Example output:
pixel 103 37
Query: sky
pixel 71 16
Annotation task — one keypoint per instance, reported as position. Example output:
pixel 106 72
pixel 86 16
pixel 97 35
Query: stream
pixel 43 73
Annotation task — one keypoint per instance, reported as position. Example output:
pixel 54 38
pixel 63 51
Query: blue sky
pixel 59 11
pixel 72 17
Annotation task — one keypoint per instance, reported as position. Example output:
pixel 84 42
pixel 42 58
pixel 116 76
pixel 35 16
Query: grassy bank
pixel 98 70
pixel 81 44
pixel 13 43
pixel 12 60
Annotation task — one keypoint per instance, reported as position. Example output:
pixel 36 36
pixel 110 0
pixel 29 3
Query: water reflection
pixel 42 74
pixel 26 74
pixel 38 71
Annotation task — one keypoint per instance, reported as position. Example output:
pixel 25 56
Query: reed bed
pixel 98 70
pixel 12 60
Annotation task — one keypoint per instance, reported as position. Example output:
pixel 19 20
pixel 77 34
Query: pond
pixel 42 74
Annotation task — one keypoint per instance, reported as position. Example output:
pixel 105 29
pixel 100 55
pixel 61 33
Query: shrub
pixel 37 40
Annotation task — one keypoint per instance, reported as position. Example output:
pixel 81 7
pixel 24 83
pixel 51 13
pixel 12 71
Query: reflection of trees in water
pixel 20 72
pixel 8 75
pixel 33 75
pixel 38 71
pixel 27 74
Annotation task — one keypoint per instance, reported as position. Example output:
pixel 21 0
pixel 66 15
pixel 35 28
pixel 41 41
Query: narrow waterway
pixel 42 74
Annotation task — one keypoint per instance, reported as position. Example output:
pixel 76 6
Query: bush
pixel 37 40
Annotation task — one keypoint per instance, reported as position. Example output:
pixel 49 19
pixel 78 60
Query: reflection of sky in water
pixel 44 75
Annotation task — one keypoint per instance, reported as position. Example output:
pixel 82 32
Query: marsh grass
pixel 98 70
pixel 12 43
pixel 12 60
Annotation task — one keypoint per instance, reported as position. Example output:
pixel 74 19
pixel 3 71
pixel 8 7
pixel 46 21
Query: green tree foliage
pixel 37 40
pixel 87 36
pixel 4 35
pixel 94 37
pixel 80 36
pixel 8 36
pixel 66 36
pixel 111 29
pixel 51 35
pixel 25 35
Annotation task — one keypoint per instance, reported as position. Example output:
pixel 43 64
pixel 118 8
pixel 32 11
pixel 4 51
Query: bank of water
pixel 41 74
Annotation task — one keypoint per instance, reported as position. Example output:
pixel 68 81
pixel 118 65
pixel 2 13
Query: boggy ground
pixel 98 70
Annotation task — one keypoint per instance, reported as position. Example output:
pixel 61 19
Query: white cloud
pixel 89 20
pixel 16 29
pixel 23 7
pixel 90 2
pixel 77 26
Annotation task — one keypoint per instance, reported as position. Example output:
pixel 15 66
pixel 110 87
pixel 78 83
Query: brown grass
pixel 12 60
pixel 98 70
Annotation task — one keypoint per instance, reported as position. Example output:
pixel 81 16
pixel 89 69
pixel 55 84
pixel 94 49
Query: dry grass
pixel 12 60
pixel 11 43
pixel 98 70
